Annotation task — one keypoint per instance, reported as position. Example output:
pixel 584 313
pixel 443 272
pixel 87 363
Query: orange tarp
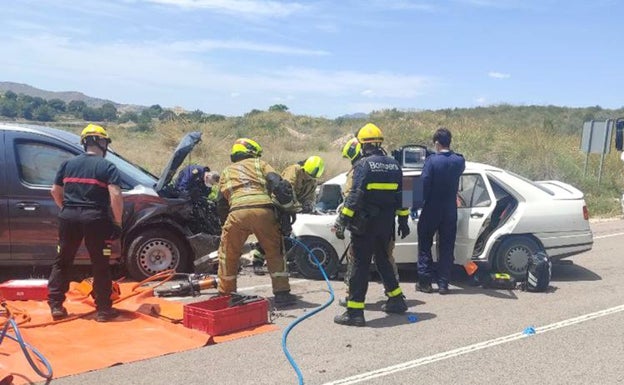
pixel 144 329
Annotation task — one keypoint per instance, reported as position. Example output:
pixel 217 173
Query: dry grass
pixel 537 142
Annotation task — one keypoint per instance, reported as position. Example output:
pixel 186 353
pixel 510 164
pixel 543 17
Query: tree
pixel 92 114
pixel 128 116
pixel 155 110
pixel 57 105
pixel 108 111
pixel 278 108
pixel 8 108
pixel 10 95
pixel 43 114
pixel 76 107
pixel 167 116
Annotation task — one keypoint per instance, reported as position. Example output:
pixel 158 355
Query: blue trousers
pixel 444 222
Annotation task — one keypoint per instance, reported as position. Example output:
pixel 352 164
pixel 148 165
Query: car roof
pixel 42 130
pixel 470 167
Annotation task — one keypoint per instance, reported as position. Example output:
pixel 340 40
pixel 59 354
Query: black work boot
pixel 58 312
pixel 284 298
pixel 424 286
pixel 106 315
pixel 395 305
pixel 351 317
pixel 443 289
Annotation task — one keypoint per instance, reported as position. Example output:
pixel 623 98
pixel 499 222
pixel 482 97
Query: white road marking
pixel 608 235
pixel 471 348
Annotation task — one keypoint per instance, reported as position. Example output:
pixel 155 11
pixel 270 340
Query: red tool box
pixel 24 289
pixel 216 318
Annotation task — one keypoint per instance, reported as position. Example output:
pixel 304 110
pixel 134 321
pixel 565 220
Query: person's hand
pixel 404 229
pixel 339 229
pixel 115 231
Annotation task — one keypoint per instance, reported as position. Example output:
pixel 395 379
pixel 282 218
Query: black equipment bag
pixel 538 274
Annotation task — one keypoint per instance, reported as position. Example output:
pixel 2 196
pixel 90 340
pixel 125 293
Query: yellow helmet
pixel 245 146
pixel 314 166
pixel 94 130
pixel 370 133
pixel 352 149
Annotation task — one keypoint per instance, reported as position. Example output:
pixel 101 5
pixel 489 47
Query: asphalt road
pixel 472 336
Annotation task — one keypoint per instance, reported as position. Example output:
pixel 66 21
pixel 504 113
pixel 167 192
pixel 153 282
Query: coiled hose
pixel 26 348
pixel 307 315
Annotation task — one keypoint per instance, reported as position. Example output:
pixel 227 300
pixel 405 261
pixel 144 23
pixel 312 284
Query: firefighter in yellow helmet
pixel 369 211
pixel 303 178
pixel 352 150
pixel 86 188
pixel 248 189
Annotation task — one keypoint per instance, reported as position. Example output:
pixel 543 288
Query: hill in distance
pixel 66 96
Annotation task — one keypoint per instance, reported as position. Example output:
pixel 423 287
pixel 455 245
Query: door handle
pixel 30 206
pixel 476 215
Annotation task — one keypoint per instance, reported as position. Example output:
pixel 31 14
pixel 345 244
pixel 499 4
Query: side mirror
pixel 619 134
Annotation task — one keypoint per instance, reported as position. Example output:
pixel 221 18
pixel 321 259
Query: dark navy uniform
pixel 440 178
pixel 85 215
pixel 371 205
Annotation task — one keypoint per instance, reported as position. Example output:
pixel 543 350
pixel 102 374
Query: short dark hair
pixel 442 136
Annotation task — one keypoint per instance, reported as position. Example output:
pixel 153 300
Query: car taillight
pixel 585 213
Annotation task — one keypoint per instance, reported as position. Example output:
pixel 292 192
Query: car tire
pixel 155 250
pixel 512 256
pixel 324 253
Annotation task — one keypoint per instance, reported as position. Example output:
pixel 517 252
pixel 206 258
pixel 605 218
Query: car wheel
pixel 324 253
pixel 512 256
pixel 155 250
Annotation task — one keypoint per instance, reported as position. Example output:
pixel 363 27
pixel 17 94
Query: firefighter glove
pixel 115 231
pixel 404 229
pixel 339 227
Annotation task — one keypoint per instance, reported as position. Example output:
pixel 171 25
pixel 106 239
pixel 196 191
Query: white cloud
pixel 367 107
pixel 498 75
pixel 403 5
pixel 243 7
pixel 481 101
pixel 153 73
pixel 368 93
pixel 239 45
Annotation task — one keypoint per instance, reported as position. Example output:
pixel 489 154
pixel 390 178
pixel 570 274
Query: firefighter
pixel 440 178
pixel 245 206
pixel 303 177
pixel 352 150
pixel 86 188
pixel 368 212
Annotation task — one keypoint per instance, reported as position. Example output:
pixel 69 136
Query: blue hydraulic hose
pixel 25 348
pixel 307 315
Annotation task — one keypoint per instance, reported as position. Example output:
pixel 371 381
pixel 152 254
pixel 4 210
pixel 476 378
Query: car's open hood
pixel 184 148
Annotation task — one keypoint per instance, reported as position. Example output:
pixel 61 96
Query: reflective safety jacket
pixel 304 186
pixel 377 187
pixel 243 184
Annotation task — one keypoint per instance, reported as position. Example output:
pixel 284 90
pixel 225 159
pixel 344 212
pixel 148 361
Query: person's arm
pixel 58 189
pixel 57 193
pixel 426 178
pixel 116 200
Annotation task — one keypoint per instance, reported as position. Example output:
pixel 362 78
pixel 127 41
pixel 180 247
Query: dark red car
pixel 160 223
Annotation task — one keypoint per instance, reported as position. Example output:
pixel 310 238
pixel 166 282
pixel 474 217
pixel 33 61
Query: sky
pixel 319 57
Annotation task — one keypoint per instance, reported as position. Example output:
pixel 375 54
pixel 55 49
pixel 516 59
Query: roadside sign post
pixel 596 139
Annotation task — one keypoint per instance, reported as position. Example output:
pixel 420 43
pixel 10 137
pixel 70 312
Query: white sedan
pixel 503 218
